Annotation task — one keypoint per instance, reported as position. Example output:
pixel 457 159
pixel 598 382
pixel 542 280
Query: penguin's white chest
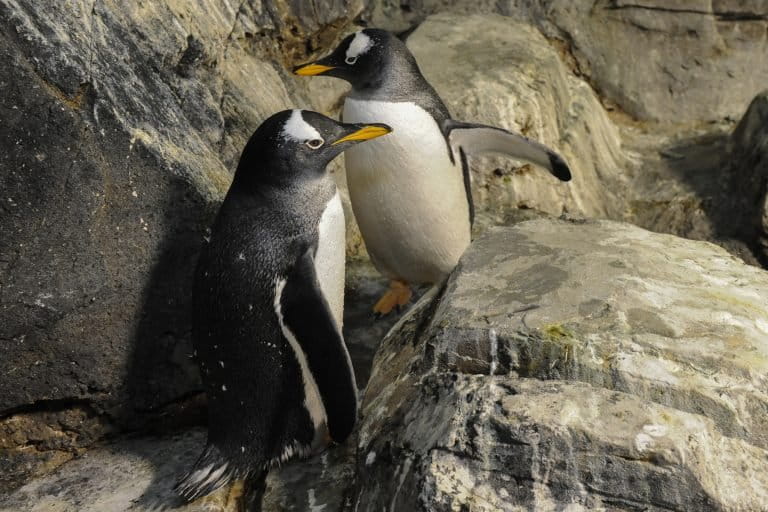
pixel 329 259
pixel 408 197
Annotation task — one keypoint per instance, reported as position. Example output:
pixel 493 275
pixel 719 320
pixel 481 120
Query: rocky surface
pixel 137 475
pixel 580 365
pixel 658 60
pixel 749 167
pixel 707 184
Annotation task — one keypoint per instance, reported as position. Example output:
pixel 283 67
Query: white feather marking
pixel 198 475
pixel 329 260
pixel 329 264
pixel 312 401
pixel 215 476
pixel 294 448
pixel 360 44
pixel 297 128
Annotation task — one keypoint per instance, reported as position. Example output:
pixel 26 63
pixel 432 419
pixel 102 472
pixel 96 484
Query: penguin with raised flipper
pixel 268 300
pixel 410 192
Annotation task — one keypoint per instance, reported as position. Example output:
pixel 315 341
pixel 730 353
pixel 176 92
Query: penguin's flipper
pixel 306 316
pixel 479 138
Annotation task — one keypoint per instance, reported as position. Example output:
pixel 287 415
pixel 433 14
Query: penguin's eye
pixel 314 143
pixel 350 60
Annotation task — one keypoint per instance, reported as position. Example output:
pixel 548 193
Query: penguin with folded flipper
pixel 268 300
pixel 410 192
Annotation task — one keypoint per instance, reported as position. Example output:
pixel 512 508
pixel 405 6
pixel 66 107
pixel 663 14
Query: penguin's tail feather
pixel 210 471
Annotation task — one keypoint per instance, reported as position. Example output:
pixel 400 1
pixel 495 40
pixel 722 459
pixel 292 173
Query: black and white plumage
pixel 410 192
pixel 268 300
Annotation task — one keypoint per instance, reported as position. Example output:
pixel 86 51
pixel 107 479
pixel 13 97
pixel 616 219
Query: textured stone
pixel 749 164
pixel 706 184
pixel 572 364
pixel 665 60
pixel 138 475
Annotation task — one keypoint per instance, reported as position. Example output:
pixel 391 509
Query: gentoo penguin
pixel 410 192
pixel 268 299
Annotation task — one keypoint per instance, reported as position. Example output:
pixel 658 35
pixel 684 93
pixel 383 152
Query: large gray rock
pixel 665 60
pixel 579 365
pixel 749 165
pixel 122 123
pixel 704 184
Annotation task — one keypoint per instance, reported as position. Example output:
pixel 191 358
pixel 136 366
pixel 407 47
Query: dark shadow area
pixel 362 332
pixel 705 190
pixel 162 384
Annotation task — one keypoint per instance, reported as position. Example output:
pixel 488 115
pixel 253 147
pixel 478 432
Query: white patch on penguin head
pixel 360 44
pixel 298 129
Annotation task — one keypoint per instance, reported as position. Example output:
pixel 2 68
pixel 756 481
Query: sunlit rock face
pixel 584 364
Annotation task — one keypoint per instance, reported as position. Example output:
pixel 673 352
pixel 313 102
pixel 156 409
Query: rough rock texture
pixel 121 126
pixel 749 164
pixel 587 365
pixel 665 60
pixel 706 184
pixel 515 79
pixel 137 475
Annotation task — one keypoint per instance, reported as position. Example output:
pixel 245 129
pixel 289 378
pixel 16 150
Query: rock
pixel 121 127
pixel 137 475
pixel 515 79
pixel 700 59
pixel 574 365
pixel 749 165
pixel 693 51
pixel 706 184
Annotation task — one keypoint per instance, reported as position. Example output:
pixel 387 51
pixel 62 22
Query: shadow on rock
pixel 703 188
pixel 163 388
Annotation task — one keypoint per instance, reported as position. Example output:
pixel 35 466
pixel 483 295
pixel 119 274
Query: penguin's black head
pixel 364 59
pixel 296 144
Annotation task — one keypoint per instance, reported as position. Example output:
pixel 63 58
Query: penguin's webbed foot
pixel 398 295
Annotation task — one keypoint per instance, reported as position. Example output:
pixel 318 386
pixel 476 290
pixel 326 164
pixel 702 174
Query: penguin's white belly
pixel 408 197
pixel 330 257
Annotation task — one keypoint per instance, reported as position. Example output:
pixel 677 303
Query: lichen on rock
pixel 630 375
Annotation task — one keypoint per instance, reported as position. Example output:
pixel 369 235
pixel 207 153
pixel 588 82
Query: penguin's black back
pixel 250 373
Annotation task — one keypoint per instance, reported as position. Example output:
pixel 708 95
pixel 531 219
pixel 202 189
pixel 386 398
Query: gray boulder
pixel 749 163
pixel 574 366
pixel 659 60
pixel 137 475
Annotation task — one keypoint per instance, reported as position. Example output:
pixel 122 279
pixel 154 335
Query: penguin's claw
pixel 398 295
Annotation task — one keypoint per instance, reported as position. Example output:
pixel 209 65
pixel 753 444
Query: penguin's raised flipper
pixel 306 316
pixel 479 138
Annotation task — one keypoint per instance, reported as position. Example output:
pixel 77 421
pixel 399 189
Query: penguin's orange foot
pixel 398 295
